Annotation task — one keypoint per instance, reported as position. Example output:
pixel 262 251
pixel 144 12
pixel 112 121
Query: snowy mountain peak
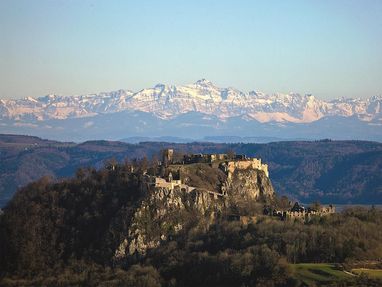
pixel 204 82
pixel 376 98
pixel 30 99
pixel 203 97
pixel 160 86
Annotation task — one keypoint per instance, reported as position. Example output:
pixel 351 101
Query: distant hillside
pixel 329 171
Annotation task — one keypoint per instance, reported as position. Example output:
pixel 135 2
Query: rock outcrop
pixel 167 211
pixel 164 213
pixel 249 184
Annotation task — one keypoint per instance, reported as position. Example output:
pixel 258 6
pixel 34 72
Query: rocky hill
pixel 107 227
pixel 167 210
pixel 138 215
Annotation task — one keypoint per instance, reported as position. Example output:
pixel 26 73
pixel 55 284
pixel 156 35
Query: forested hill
pixel 328 171
pixel 103 228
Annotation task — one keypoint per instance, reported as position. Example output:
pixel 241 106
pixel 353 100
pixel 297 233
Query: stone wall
pixel 253 163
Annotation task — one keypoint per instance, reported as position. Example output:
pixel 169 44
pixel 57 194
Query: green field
pixel 318 273
pixel 372 273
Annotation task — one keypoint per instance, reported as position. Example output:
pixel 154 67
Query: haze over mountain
pixel 193 111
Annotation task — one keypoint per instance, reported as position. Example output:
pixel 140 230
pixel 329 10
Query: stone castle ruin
pixel 299 212
pixel 231 165
pixel 211 185
pixel 228 163
pixel 225 162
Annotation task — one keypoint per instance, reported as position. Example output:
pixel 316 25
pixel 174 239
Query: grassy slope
pixel 373 273
pixel 318 273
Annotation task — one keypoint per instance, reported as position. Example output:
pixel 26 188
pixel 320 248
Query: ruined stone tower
pixel 167 157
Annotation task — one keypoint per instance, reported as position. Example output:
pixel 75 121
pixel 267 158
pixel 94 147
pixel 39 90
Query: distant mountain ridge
pixel 202 108
pixel 168 101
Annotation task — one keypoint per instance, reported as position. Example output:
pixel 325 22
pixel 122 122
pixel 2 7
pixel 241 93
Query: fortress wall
pixel 244 164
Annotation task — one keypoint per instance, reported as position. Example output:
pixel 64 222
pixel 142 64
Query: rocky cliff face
pixel 165 212
pixel 249 184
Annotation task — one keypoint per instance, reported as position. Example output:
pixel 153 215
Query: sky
pixel 328 48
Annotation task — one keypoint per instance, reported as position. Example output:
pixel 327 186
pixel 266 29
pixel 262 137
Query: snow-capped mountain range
pixel 193 111
pixel 167 102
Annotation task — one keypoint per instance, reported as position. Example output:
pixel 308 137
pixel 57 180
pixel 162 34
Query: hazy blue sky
pixel 327 48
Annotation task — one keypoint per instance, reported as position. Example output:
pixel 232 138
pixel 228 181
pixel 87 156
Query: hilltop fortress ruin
pixel 171 175
pixel 228 163
pixel 200 188
pixel 210 186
